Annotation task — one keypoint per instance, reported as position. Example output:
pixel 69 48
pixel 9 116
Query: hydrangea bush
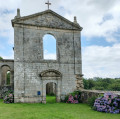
pixel 73 97
pixel 109 103
pixel 9 97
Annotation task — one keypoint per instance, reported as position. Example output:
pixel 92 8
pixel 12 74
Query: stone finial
pixel 75 19
pixel 18 13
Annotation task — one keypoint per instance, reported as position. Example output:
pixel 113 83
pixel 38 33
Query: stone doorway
pixel 51 89
pixel 51 92
pixel 51 76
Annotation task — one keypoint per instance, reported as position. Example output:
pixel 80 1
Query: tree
pixel 85 82
pixel 1 58
pixel 114 87
pixel 102 84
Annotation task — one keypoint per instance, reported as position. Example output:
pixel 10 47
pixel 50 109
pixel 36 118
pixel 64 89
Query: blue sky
pixel 49 47
pixel 100 41
pixel 100 37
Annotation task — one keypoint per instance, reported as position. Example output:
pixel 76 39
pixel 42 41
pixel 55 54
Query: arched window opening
pixel 8 78
pixel 49 47
pixel 5 75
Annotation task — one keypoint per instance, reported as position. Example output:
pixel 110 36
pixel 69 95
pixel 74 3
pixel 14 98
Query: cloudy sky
pixel 100 20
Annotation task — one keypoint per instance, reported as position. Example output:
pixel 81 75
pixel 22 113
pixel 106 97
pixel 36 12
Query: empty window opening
pixel 49 47
pixel 5 75
pixel 8 78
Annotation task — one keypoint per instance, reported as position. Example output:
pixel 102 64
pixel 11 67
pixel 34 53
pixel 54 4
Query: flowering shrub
pixel 9 97
pixel 109 103
pixel 73 98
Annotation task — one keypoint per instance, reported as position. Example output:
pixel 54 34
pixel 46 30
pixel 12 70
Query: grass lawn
pixel 51 110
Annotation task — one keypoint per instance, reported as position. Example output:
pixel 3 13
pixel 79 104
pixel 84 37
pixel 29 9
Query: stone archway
pixel 4 70
pixel 6 65
pixel 54 77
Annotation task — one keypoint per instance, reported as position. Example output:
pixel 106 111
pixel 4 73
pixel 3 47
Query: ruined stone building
pixel 32 73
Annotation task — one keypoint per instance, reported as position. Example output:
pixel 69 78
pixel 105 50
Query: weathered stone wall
pixel 86 94
pixel 34 63
pixel 29 62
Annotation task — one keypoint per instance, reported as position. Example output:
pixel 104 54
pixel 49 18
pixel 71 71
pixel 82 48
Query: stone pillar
pixel 3 81
pixel 0 76
pixel 54 88
pixel 12 79
pixel 79 82
pixel 44 93
pixel 58 91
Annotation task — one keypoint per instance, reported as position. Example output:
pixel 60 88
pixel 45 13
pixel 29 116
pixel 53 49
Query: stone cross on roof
pixel 48 3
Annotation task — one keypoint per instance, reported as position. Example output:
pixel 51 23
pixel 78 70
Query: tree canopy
pixel 1 58
pixel 102 84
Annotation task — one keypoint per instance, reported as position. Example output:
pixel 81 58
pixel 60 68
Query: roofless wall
pixel 29 61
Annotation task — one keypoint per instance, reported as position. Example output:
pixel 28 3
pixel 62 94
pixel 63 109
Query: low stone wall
pixel 4 89
pixel 86 94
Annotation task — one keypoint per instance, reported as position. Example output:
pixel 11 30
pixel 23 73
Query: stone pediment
pixel 47 19
pixel 50 73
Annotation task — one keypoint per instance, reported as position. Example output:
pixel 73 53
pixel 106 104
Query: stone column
pixel 12 79
pixel 79 82
pixel 0 76
pixel 43 92
pixel 58 91
pixel 3 78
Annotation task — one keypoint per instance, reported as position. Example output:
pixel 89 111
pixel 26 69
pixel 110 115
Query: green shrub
pixel 98 88
pixel 66 98
pixel 52 94
pixel 1 58
pixel 115 87
pixel 91 101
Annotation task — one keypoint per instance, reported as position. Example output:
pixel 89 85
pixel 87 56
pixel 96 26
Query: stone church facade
pixel 32 72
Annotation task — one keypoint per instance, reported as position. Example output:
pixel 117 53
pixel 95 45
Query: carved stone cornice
pixel 50 73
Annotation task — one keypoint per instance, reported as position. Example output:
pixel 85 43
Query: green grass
pixel 50 99
pixel 51 110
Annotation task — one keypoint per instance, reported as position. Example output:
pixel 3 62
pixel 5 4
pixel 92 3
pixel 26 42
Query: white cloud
pixel 9 4
pixel 111 39
pixel 7 12
pixel 90 14
pixel 8 57
pixel 99 61
pixel 50 56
